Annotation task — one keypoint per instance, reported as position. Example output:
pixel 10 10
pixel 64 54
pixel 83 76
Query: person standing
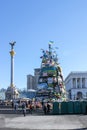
pixel 16 107
pixel 30 108
pixel 12 104
pixel 45 108
pixel 48 107
pixel 24 108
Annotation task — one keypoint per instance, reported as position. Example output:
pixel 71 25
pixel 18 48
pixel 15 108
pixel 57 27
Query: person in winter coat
pixel 24 108
pixel 48 107
pixel 45 108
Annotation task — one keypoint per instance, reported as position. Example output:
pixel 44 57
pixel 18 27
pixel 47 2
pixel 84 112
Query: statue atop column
pixel 12 92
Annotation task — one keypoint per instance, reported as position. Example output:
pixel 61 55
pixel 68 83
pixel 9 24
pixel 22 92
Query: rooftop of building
pixel 75 73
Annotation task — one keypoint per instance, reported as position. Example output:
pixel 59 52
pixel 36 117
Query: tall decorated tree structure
pixel 51 83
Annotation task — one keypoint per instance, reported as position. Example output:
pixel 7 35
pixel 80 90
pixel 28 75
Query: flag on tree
pixel 51 42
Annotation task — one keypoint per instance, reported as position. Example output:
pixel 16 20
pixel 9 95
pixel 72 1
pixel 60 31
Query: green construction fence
pixel 70 107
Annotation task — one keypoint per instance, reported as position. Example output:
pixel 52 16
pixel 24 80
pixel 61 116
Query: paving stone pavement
pixel 43 122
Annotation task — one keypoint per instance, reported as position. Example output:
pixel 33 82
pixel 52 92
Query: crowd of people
pixel 46 107
pixel 31 106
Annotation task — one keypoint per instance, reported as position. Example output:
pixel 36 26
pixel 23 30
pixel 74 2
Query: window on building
pixel 86 94
pixel 78 83
pixel 83 82
pixel 79 95
pixel 74 83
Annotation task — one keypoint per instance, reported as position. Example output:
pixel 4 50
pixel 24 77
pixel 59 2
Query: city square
pixel 43 76
pixel 66 110
pixel 35 121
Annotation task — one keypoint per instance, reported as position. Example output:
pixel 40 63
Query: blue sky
pixel 32 23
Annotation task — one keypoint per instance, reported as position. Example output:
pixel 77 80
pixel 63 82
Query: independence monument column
pixel 12 92
pixel 12 53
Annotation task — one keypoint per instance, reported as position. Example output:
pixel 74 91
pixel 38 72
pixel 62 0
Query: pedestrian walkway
pixel 30 122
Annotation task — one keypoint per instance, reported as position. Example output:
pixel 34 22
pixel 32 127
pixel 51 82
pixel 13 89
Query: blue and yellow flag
pixel 51 42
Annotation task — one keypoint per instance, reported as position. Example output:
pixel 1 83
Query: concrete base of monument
pixel 11 93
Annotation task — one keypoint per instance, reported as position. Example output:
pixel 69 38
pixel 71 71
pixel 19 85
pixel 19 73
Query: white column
pixel 12 70
pixel 72 83
pixel 12 53
pixel 76 82
pixel 80 82
pixel 86 82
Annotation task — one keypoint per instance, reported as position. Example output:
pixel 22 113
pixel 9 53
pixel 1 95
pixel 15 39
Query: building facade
pixel 36 76
pixel 76 85
pixel 32 81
